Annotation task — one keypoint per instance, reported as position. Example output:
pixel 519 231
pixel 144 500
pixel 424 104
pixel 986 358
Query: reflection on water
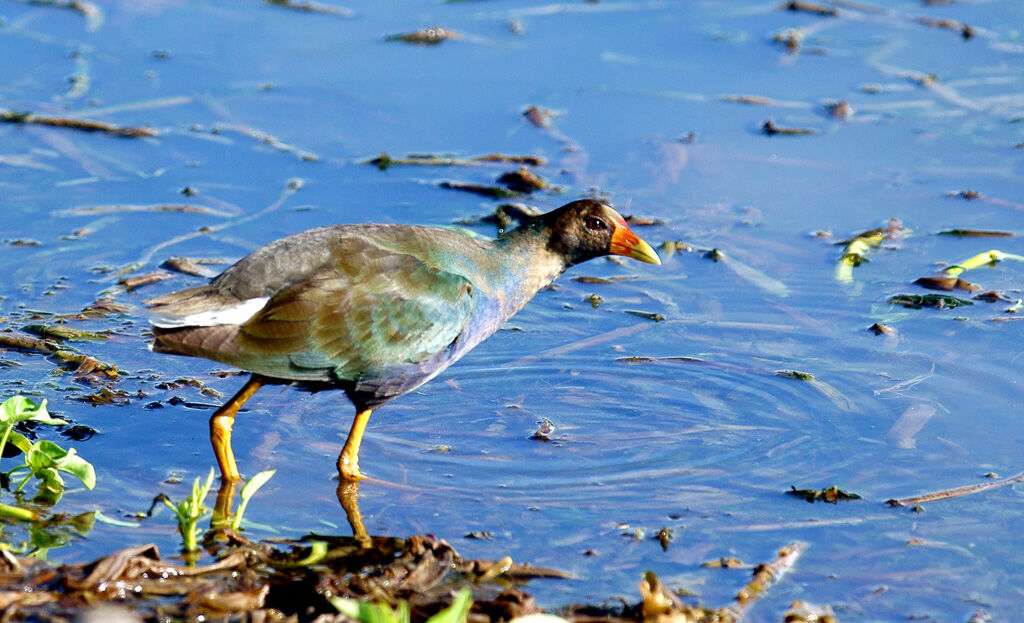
pixel 684 424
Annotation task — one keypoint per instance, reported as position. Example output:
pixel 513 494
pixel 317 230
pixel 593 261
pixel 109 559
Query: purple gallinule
pixel 374 310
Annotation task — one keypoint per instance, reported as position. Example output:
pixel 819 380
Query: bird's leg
pixel 348 460
pixel 348 496
pixel 220 429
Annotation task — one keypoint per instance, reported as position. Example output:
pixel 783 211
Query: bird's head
pixel 590 228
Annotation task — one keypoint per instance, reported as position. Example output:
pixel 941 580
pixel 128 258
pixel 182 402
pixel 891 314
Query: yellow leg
pixel 220 429
pixel 348 460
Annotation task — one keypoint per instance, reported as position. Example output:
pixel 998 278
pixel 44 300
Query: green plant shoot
pixel 380 612
pixel 190 510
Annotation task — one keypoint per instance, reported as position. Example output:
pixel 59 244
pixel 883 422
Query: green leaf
pixel 46 455
pixel 371 612
pixel 253 484
pixel 19 408
pixel 20 441
pixel 457 612
pixel 78 467
pixel 248 490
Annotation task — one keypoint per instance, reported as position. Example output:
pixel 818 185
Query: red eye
pixel 595 224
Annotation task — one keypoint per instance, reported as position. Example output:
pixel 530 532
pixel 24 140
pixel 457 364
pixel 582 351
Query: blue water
pixel 706 448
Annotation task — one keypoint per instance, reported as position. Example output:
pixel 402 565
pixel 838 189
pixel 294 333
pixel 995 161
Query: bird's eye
pixel 595 224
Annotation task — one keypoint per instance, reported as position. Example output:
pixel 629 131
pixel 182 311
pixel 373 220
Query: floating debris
pixel 656 317
pixel 671 247
pixel 840 110
pixel 853 254
pixel 881 329
pixel 10 116
pixel 965 30
pixel 976 233
pixel 952 493
pixel 522 181
pixel 664 537
pixel 831 495
pixel 425 36
pixel 790 37
pixel 938 301
pixel 642 221
pixel 747 99
pixel 184 208
pixel 803 612
pixel 482 535
pixel 991 296
pixel 493 192
pixel 383 160
pixel 950 277
pixel 808 7
pixel 313 7
pixel 724 563
pixel 544 430
pixel 964 194
pixel 946 283
pixel 540 117
pixel 795 374
pixel 63 332
pixel 133 283
pixel 105 396
pixel 769 128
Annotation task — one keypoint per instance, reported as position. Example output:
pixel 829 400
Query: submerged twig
pixel 957 492
pixel 266 139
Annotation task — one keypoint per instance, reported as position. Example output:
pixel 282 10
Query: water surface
pixel 699 435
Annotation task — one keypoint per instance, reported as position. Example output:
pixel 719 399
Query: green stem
pixel 18 513
pixel 23 482
pixel 3 440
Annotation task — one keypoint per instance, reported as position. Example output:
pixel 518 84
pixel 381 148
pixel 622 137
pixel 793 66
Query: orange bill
pixel 625 242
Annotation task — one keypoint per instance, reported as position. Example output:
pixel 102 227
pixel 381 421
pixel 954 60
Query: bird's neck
pixel 528 262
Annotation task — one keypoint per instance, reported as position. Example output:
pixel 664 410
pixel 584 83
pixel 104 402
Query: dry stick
pixel 11 116
pixel 952 493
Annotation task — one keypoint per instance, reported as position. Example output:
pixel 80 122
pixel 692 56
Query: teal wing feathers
pixel 366 310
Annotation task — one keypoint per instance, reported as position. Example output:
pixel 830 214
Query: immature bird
pixel 374 310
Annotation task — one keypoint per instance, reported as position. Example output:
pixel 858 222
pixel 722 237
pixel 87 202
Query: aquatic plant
pixel 44 459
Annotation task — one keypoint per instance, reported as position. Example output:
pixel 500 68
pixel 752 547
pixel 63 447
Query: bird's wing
pixel 367 309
